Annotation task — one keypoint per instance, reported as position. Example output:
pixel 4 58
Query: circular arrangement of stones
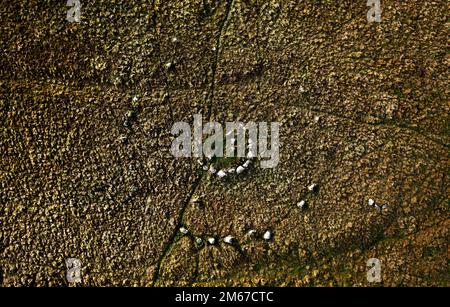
pixel 243 165
pixel 267 236
pixel 221 173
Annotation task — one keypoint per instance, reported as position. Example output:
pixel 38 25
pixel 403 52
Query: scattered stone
pixel 246 164
pixel 302 204
pixel 302 89
pixel 211 240
pixel 221 174
pixel 174 40
pixel 312 187
pixel 229 239
pixel 371 202
pixel 267 235
pixel 198 240
pixel 239 170
pixel 184 230
pixel 169 66
pixel 316 118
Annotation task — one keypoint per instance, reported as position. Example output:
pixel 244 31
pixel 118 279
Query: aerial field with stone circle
pixel 86 170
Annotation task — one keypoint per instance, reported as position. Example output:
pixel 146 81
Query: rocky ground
pixel 86 170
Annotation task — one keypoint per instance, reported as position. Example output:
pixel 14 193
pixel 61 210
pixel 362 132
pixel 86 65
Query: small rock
pixel 371 202
pixel 211 240
pixel 221 174
pixel 198 240
pixel 184 230
pixel 302 204
pixel 267 235
pixel 240 169
pixel 229 239
pixel 312 187
pixel 168 65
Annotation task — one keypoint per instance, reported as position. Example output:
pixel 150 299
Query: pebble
pixel 228 239
pixel 267 235
pixel 184 230
pixel 211 241
pixel 240 169
pixel 312 187
pixel 301 204
pixel 221 174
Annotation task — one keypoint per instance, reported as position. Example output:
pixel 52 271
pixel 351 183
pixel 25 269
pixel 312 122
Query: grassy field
pixel 86 170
